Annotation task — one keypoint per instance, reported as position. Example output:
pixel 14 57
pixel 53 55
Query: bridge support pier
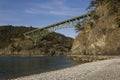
pixel 35 43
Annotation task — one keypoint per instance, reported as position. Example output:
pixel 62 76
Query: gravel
pixel 100 70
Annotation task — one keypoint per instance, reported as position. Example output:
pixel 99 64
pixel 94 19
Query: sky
pixel 40 13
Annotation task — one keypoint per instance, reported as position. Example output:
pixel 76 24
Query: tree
pixel 78 27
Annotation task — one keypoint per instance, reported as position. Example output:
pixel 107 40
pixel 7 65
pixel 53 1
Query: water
pixel 11 67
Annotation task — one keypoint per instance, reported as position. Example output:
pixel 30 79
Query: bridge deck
pixel 38 34
pixel 59 23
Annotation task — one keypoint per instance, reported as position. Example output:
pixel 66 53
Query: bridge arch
pixel 37 34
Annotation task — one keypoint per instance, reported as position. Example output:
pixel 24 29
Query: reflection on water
pixel 18 66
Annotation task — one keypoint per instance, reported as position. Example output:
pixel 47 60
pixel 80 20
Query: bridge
pixel 37 34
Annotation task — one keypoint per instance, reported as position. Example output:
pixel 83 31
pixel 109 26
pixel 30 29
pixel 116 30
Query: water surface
pixel 11 67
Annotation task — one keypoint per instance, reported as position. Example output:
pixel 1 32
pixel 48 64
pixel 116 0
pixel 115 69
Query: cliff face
pixel 101 34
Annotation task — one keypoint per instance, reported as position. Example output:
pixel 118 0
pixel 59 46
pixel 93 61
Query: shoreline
pixel 80 72
pixel 91 58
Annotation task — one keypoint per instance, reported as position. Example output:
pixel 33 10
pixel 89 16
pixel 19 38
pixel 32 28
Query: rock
pixel 103 37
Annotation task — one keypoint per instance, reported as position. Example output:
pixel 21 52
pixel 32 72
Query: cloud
pixel 55 7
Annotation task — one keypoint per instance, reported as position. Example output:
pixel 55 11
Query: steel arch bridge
pixel 38 34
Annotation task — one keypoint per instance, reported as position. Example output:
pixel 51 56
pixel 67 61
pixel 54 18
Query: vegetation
pixel 101 34
pixel 113 5
pixel 12 38
pixel 55 43
pixel 78 27
pixel 117 21
pixel 8 33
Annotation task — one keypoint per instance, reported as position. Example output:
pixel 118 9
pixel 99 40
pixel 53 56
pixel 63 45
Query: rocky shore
pixel 91 58
pixel 100 70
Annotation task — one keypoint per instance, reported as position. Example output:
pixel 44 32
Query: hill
pixel 9 32
pixel 13 42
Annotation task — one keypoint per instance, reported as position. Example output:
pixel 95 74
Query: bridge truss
pixel 37 34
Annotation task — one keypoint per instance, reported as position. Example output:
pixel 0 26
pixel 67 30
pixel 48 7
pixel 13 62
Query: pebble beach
pixel 99 70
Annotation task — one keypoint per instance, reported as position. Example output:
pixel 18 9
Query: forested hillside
pixel 13 42
pixel 9 32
